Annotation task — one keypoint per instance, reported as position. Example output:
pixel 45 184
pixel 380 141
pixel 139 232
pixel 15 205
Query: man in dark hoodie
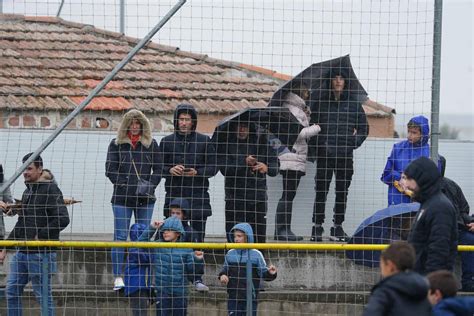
pixel 187 159
pixel 401 291
pixel 43 215
pixel 343 129
pixel 245 160
pixel 434 231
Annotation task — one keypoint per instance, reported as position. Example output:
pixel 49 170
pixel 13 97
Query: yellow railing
pixel 205 245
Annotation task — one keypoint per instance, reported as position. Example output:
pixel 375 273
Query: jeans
pixel 467 260
pixel 25 267
pixel 238 307
pixel 122 216
pixel 171 305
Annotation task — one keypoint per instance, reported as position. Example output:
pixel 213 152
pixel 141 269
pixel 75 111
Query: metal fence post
pixel 435 81
pixel 249 288
pixel 44 285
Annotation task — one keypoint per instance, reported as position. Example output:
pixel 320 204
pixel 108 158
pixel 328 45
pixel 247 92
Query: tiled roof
pixel 47 63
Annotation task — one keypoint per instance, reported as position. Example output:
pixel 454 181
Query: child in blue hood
pixel 137 276
pixel 233 273
pixel 415 146
pixel 172 267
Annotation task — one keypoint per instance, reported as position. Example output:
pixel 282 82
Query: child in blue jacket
pixel 415 146
pixel 172 268
pixel 137 276
pixel 233 273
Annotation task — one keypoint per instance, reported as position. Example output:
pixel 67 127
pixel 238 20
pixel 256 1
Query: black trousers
pixel 343 169
pixel 253 213
pixel 199 226
pixel 291 181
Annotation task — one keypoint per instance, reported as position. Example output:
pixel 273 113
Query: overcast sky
pixel 390 41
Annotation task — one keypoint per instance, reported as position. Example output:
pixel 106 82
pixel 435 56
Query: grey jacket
pixel 296 159
pixel 6 196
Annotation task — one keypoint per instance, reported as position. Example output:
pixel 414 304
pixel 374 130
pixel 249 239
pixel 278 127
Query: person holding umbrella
pixel 245 159
pixel 293 162
pixel 337 109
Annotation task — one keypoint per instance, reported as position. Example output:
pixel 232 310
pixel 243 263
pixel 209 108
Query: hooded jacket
pixel 404 293
pixel 173 266
pixel 339 120
pixel 296 159
pixel 455 306
pixel 434 231
pixel 402 154
pixel 241 183
pixel 137 274
pixel 193 150
pixel 43 213
pixel 235 263
pixel 190 234
pixel 119 167
pixel 454 193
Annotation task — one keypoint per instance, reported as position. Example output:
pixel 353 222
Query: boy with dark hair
pixel 233 273
pixel 401 291
pixel 442 295
pixel 179 208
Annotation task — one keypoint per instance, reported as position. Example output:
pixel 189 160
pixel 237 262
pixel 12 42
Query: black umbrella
pixel 317 78
pixel 276 120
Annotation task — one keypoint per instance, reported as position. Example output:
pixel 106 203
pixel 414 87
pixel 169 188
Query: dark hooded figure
pixel 343 128
pixel 187 160
pixel 434 231
pixel 245 160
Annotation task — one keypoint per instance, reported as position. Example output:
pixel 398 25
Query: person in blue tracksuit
pixel 233 273
pixel 172 267
pixel 415 146
pixel 137 276
pixel 442 295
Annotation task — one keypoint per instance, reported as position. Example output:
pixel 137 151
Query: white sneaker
pixel 201 287
pixel 118 284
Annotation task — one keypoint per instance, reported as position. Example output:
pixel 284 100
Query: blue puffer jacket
pixel 173 266
pixel 454 306
pixel 235 266
pixel 402 154
pixel 138 269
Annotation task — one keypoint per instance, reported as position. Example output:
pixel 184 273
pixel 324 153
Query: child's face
pixel 414 135
pixel 170 235
pixel 387 268
pixel 177 212
pixel 239 236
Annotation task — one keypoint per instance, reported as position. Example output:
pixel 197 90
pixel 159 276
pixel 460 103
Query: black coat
pixel 454 193
pixel 193 150
pixel 43 213
pixel 338 121
pixel 241 183
pixel 434 231
pixel 404 293
pixel 120 171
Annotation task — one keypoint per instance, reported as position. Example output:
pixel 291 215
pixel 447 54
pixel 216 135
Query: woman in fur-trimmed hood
pixel 132 157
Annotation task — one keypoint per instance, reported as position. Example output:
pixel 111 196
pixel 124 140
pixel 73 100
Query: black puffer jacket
pixel 404 293
pixel 343 125
pixel 454 193
pixel 193 150
pixel 240 182
pixel 434 231
pixel 119 167
pixel 43 213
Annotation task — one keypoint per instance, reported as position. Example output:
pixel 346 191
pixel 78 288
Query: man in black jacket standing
pixel 343 128
pixel 187 160
pixel 43 215
pixel 434 231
